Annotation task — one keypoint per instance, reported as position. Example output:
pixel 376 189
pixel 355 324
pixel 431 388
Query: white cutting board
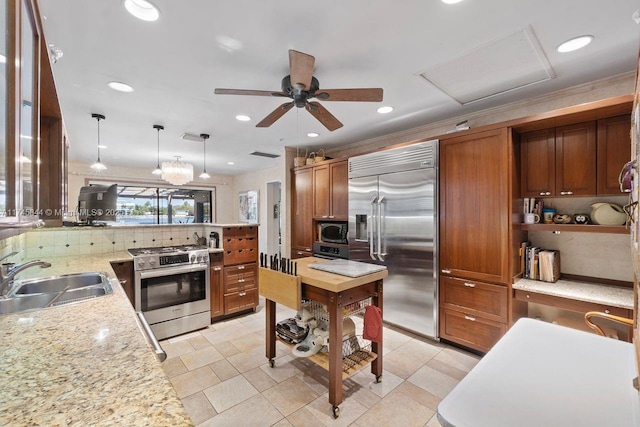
pixel 347 268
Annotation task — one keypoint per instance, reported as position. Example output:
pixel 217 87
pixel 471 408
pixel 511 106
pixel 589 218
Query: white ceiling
pixel 175 63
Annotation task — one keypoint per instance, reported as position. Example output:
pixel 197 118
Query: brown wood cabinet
pixel 302 215
pixel 614 150
pixel 240 278
pixel 475 206
pixel 475 221
pixel 576 160
pixel 216 286
pixel 331 191
pixel 124 273
pixel 582 159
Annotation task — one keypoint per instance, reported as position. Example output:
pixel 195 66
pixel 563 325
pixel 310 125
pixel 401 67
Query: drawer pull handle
pixel 473 319
pixel 607 311
pixel 242 294
pixel 566 193
pixel 542 193
pixel 528 296
pixel 469 285
pixel 446 271
pixel 241 267
pixel 240 280
pixel 217 268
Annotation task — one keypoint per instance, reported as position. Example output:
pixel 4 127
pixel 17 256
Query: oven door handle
pixel 160 353
pixel 167 271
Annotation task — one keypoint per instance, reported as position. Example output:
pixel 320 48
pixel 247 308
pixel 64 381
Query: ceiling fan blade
pixel 218 91
pixel 323 116
pixel 275 115
pixel 359 95
pixel 301 68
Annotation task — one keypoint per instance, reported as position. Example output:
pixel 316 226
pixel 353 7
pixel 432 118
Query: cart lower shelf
pixel 349 366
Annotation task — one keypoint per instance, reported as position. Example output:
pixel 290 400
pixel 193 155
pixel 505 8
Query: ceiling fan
pixel 301 86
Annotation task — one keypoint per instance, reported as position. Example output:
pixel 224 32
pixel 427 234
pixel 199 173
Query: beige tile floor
pixel 223 378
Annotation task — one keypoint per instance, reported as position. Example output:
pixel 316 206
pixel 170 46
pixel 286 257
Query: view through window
pixel 148 204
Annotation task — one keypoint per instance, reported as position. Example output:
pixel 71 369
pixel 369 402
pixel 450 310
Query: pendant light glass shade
pixel 204 174
pixel 177 172
pixel 158 169
pixel 98 165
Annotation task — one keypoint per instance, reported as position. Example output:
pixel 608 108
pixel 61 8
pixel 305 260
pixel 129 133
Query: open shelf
pixel 348 367
pixel 589 228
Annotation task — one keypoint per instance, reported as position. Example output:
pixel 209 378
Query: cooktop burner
pixel 164 250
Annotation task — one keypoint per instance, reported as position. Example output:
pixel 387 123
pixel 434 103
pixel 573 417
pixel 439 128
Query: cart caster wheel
pixel 378 378
pixel 336 412
pixel 272 363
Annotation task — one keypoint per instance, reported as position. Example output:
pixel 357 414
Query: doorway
pixel 274 218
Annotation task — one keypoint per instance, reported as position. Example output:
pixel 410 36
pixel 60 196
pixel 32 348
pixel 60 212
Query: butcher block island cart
pixel 343 296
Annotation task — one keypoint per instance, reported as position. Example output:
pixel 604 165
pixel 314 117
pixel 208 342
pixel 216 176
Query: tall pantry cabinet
pixel 475 237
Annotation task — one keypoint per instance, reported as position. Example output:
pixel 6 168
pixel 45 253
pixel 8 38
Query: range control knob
pixel 192 258
pixel 141 263
pixel 152 261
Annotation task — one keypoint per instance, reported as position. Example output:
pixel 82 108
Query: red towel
pixel 372 324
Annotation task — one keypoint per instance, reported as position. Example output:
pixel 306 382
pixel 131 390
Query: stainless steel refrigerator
pixel 393 221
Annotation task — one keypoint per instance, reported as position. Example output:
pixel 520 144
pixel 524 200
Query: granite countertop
pixel 83 364
pixel 615 296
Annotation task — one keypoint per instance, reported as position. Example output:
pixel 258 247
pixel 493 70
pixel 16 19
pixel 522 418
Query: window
pixel 146 204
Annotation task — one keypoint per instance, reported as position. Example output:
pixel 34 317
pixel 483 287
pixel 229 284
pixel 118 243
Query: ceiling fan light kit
pixel 301 86
pixel 98 165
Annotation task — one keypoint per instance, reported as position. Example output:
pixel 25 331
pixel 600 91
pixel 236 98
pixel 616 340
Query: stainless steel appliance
pixel 330 251
pixel 393 222
pixel 172 288
pixel 332 232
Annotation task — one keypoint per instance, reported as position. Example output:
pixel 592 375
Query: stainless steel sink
pixel 34 294
pixel 55 284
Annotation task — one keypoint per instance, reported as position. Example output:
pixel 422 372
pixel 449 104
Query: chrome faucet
pixel 9 271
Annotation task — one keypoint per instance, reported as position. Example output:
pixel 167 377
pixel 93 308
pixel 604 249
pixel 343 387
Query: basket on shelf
pixel 300 161
pixel 312 158
pixel 318 157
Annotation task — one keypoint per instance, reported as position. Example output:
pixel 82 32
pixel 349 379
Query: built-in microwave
pixel 332 232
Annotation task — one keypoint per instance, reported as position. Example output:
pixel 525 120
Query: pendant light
pixel 98 165
pixel 204 174
pixel 158 169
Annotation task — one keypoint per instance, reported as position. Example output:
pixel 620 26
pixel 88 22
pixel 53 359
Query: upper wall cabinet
pixel 581 159
pixel 330 191
pixel 19 165
pixel 614 150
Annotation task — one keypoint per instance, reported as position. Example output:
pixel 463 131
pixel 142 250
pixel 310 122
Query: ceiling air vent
pixel 261 154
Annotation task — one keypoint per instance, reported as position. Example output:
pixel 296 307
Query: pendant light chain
pixel 204 173
pixel 158 169
pixel 98 165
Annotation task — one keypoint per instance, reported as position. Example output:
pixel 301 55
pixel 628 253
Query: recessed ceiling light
pixel 313 134
pixel 230 163
pixel 120 87
pixel 243 118
pixel 574 44
pixel 102 146
pixel 385 110
pixel 451 1
pixel 142 9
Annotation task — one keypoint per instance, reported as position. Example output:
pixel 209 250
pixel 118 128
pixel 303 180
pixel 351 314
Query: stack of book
pixel 540 264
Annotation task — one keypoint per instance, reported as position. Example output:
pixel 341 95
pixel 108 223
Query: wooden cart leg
pixel 335 353
pixel 270 312
pixel 376 365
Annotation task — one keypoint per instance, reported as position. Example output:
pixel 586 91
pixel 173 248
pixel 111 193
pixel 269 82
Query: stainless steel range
pixel 172 288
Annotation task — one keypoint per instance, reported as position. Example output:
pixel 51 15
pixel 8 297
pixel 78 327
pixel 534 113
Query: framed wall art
pixel 248 206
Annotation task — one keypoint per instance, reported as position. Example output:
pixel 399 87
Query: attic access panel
pixel 509 63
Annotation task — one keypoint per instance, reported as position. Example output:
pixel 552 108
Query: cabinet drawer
pixel 229 232
pixel 300 253
pixel 475 298
pixel 471 331
pixel 570 304
pixel 239 301
pixel 231 244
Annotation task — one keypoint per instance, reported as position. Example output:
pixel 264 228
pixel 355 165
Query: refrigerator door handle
pixel 381 254
pixel 370 230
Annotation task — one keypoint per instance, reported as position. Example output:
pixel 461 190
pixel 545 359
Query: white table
pixel 540 374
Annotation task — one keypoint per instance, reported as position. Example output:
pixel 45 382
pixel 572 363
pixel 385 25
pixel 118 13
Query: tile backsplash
pixel 91 240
